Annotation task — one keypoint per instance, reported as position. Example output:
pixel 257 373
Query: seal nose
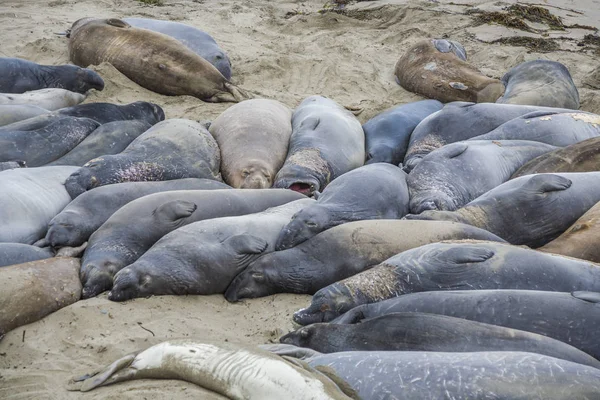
pixel 96 284
pixel 305 317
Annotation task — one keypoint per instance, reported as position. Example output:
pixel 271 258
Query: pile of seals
pixel 451 249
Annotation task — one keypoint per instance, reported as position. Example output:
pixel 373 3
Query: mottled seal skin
pixel 32 290
pixel 29 199
pixel 414 331
pixel 581 239
pixel 20 76
pixel 138 225
pixel 418 375
pixel 19 253
pixel 196 40
pixel 570 318
pixel 341 252
pixel 327 141
pixel 172 149
pixel 153 60
pixel 84 215
pixel 387 134
pixel 540 83
pixel 220 368
pixel 531 210
pixel 442 75
pixel 579 157
pixel 558 129
pixel 107 112
pixel 376 191
pixel 110 138
pixel 41 146
pixel 202 258
pixel 49 99
pixel 14 113
pixel 456 174
pixel 460 121
pixel 453 266
pixel 253 137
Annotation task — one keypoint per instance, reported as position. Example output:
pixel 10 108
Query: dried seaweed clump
pixel 516 14
pixel 537 14
pixel 535 44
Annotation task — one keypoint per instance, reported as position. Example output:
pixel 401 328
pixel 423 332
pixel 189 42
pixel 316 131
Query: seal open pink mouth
pixel 300 187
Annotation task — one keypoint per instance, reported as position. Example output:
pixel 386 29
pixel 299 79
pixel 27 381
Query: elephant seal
pixel 221 368
pixel 83 216
pixel 32 290
pixel 414 331
pixel 203 257
pixel 327 141
pixel 430 68
pixel 110 138
pixel 581 239
pixel 172 149
pixel 253 136
pixel 460 121
pixel 387 134
pixel 453 266
pixel 107 112
pixel 153 60
pixel 4 165
pixel 557 129
pixel 339 253
pixel 19 253
pixel 531 210
pixel 42 146
pixel 14 113
pixel 568 317
pixel 376 191
pixel 135 227
pixel 196 40
pixel 20 76
pixel 49 99
pixel 456 174
pixel 540 83
pixel 29 199
pixel 579 157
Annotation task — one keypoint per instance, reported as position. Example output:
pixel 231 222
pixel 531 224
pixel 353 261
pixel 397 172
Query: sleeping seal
pixel 48 99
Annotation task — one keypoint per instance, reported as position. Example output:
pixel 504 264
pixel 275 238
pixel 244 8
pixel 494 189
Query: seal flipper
pixel 247 244
pixel 176 209
pixel 592 297
pixel 464 255
pixel 100 378
pixel 456 150
pixel 119 23
pixel 544 183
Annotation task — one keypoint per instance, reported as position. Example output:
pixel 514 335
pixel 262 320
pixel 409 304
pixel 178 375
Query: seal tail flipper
pixel 116 372
pixel 71 251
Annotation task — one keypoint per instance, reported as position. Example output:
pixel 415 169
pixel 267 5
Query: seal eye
pixel 245 173
pixel 258 277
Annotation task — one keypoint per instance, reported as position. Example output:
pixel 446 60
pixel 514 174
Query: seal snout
pixel 306 316
pixel 126 285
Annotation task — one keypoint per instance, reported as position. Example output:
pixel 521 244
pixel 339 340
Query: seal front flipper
pixel 548 183
pixel 465 255
pixel 247 244
pixel 175 210
pixel 592 297
pixel 456 150
pixel 118 23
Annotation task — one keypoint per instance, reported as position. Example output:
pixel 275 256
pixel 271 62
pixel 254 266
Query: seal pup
pixel 327 141
pixel 540 83
pixel 20 76
pixel 375 191
pixel 253 137
pixel 153 60
pixel 49 99
pixel 435 69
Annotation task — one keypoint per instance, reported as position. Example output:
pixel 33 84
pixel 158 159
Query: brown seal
pixel 437 69
pixel 152 60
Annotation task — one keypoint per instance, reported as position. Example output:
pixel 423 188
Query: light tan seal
pixel 437 69
pixel 152 60
pixel 253 136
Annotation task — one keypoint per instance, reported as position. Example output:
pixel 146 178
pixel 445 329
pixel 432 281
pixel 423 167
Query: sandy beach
pixel 280 49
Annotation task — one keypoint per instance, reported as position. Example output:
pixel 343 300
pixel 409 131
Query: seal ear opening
pixel 118 23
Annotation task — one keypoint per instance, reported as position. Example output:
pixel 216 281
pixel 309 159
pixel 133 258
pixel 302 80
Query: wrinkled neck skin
pixel 301 179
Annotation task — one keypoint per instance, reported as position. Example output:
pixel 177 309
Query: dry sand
pixel 284 50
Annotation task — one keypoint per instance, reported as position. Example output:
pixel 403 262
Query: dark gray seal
pixel 10 113
pixel 460 121
pixel 531 210
pixel 570 318
pixel 107 112
pixel 540 83
pixel 376 191
pixel 196 40
pixel 41 146
pixel 84 215
pixel 341 252
pixel 20 76
pixel 454 175
pixel 172 149
pixel 110 138
pixel 453 266
pixel 134 228
pixel 414 331
pixel 202 258
pixel 19 253
pixel 327 141
pixel 387 134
